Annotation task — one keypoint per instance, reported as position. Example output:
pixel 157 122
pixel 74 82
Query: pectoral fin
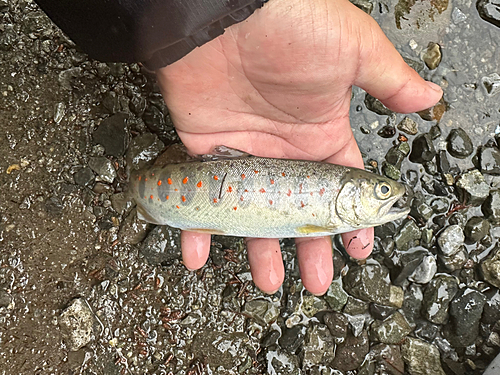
pixel 311 229
pixel 206 230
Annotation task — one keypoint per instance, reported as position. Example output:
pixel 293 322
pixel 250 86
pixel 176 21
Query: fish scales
pixel 256 197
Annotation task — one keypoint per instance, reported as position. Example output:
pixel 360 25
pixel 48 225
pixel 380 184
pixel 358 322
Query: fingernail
pixel 433 86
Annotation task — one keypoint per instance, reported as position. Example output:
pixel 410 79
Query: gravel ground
pixel 86 288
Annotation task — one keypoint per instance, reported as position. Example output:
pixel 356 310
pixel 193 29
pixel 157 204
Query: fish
pixel 235 194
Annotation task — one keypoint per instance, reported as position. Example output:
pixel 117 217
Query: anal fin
pixel 311 229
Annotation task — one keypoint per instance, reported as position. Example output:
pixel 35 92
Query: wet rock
pixel 111 102
pixel 420 210
pixel 291 338
pixel 434 113
pixel 270 339
pixel 391 171
pixel 143 150
pixel 407 235
pixel 428 239
pixel 355 306
pixel 383 359
pixel 350 354
pixel 440 205
pixel 490 160
pixel 435 132
pixel 133 230
pixel 422 149
pixel 465 311
pixel 219 348
pixel 490 267
pixel 459 144
pixel 390 331
pixel 337 323
pixel 381 312
pixel 376 106
pixel 437 297
pixel 103 167
pixel 472 188
pixel 112 133
pixel 83 177
pixel 456 261
pixel 5 300
pixel 76 323
pixel 261 310
pixel 408 126
pixel 311 305
pixel 138 105
pixel 388 131
pixel 430 167
pixel 426 330
pixel 365 5
pixel 491 207
pixel 451 240
pixel 368 283
pixel 476 229
pixel 395 157
pixel 282 362
pixel 488 10
pixel 425 270
pixel 443 165
pixel 406 263
pixel 492 82
pixel 432 56
pixel 413 297
pixel 121 203
pixel 421 358
pixel 318 347
pixel 491 311
pixel 336 297
pixel 161 246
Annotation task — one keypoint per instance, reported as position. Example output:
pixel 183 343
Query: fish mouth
pixel 395 213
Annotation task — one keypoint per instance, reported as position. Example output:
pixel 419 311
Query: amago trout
pixel 263 197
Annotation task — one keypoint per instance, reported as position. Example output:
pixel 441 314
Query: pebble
pixel 84 177
pixel 458 16
pixel 420 210
pixel 432 56
pixel 337 323
pixel 490 161
pixel 103 167
pixel 456 261
pixel 425 270
pixel 421 357
pixel 161 246
pixel 491 207
pixel 407 235
pixel 490 267
pixel 262 310
pixel 376 106
pixel 381 312
pixel 412 303
pixel 336 297
pixel 318 347
pixel 408 126
pixel 434 113
pixel 459 144
pixel 491 311
pixel 355 306
pixel 365 5
pixel 383 359
pixel 422 149
pixel 282 362
pixel 112 133
pixel 291 338
pixel 443 165
pixel 437 297
pixel 388 131
pixel 390 331
pixel 133 230
pixel 351 353
pixel 143 150
pixel 472 188
pixel 76 323
pixel 476 229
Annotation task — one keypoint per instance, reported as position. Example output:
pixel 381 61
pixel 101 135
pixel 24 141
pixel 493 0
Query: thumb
pixel 384 74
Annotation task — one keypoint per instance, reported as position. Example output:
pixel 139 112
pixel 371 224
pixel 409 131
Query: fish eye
pixel 383 190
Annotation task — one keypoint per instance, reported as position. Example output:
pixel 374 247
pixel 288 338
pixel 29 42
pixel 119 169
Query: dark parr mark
pixel 222 185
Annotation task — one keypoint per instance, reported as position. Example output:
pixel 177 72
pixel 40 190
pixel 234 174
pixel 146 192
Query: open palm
pixel 279 85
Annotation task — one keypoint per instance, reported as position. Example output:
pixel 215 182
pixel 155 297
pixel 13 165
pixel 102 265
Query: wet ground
pixel 86 288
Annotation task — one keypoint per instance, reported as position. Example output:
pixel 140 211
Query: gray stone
pixel 311 305
pixel 143 150
pixel 437 297
pixel 458 16
pixel 103 167
pixel 407 235
pixel 408 126
pixel 376 105
pixel 381 312
pixel 440 205
pixel 83 177
pixel 491 311
pixel 335 296
pixel 390 331
pixel 490 161
pixel 391 171
pixel 351 353
pixel 422 149
pixel 6 300
pixel 451 240
pixel 291 338
pixel 421 358
pixel 476 229
pixel 76 322
pixel 161 246
pixel 368 283
pixel 337 323
pixel 261 310
pixel 491 207
pixel 133 230
pixel 412 304
pixel 355 306
pixel 456 261
pixel 365 5
pixel 425 270
pixel 489 11
pixel 318 347
pixel 432 56
pixel 121 203
pixel 490 267
pixel 443 164
pixel 282 362
pixel 472 188
pixel 270 339
pixel 459 144
pixel 112 133
pixel 383 359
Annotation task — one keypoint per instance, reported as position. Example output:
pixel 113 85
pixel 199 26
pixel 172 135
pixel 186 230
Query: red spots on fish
pixel 176 189
pixel 145 197
pixel 216 178
pixel 246 190
pixel 243 176
pixel 139 178
pixel 152 174
pixel 272 182
pixel 241 198
pixel 159 182
pixel 229 189
pixel 185 181
pixel 235 208
pixel 177 206
pixel 289 192
pixel 321 192
pixel 151 196
pixel 169 181
pixel 256 171
pixel 302 204
pixel 146 179
pixel 158 199
pixel 199 184
pixel 262 190
pixel 183 198
pixel 215 200
pixel 314 214
pixel 283 174
pixel 311 193
pixel 270 201
pixel 167 197
pixel 300 189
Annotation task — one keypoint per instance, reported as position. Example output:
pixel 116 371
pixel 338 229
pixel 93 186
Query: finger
pixel 384 74
pixel 358 244
pixel 315 263
pixel 266 263
pixel 195 249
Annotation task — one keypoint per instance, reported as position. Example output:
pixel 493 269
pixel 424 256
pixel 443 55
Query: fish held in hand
pixel 251 196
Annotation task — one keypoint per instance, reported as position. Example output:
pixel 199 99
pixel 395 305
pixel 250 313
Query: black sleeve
pixel 155 32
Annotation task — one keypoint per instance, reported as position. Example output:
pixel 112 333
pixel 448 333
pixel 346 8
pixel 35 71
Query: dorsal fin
pixel 223 152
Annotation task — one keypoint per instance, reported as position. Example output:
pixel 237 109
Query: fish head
pixel 367 199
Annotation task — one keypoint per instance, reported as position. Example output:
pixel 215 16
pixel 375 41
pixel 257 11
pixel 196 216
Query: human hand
pixel 279 85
